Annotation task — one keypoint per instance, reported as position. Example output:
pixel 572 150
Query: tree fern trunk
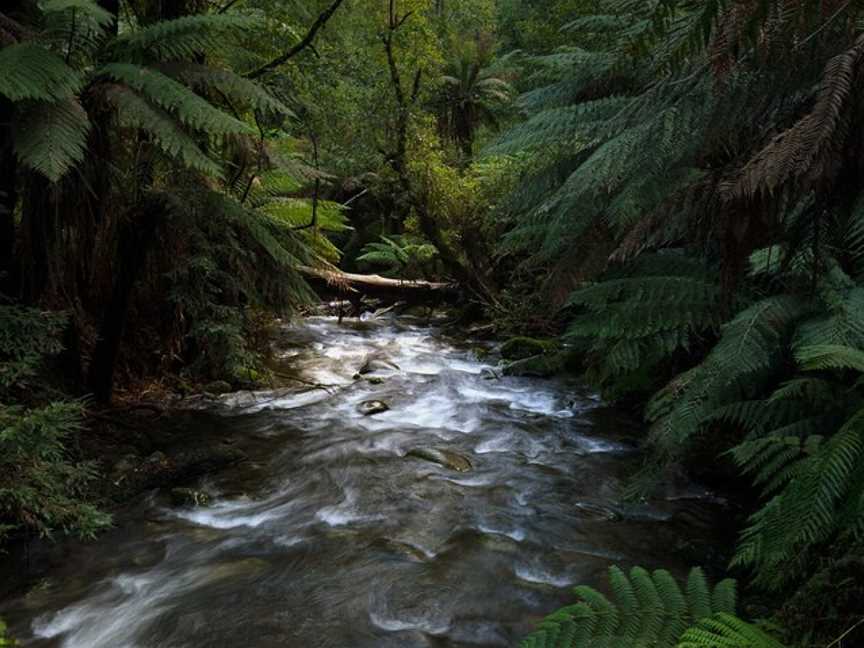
pixel 8 200
pixel 39 229
pixel 137 235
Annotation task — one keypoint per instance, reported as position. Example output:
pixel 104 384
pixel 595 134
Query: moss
pixel 544 365
pixel 522 348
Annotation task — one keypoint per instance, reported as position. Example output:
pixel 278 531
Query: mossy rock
pixel 189 497
pixel 545 365
pixel 522 348
pixel 218 387
pixel 540 366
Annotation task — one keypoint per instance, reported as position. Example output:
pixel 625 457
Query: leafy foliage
pixel 5 641
pixel 40 490
pixel 726 630
pixel 401 258
pixel 650 610
pixel 40 487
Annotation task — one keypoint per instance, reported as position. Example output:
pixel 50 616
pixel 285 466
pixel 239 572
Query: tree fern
pixel 642 314
pixel 819 496
pixel 751 347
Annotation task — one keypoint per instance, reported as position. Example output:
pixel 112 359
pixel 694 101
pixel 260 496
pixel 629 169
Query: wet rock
pixel 126 463
pixel 446 458
pixel 237 569
pixel 156 459
pixel 403 548
pixel 189 497
pixel 520 348
pixel 375 380
pixel 490 374
pixel 369 408
pixel 373 364
pixel 218 387
pixel 162 471
pixel 540 366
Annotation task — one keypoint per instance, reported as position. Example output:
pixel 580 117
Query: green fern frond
pixel 183 38
pixel 649 611
pixel 815 492
pixel 192 111
pixel 239 91
pixel 133 111
pixel 28 71
pixel 830 356
pixel 51 138
pixel 723 630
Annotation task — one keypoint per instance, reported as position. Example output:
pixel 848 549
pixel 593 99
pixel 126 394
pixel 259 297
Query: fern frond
pixel 51 138
pixel 808 147
pixel 724 630
pixel 649 611
pixel 192 110
pixel 183 38
pixel 830 356
pixel 240 91
pixel 133 111
pixel 31 72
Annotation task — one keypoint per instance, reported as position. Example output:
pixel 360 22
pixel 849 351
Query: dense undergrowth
pixel 672 205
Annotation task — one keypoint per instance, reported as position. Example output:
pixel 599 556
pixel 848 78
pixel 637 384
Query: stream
pixel 340 532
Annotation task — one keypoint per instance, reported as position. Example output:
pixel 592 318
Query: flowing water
pixel 333 535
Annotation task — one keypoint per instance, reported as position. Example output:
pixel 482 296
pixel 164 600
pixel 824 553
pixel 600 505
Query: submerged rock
pixel 446 458
pixel 489 374
pixel 373 363
pixel 368 408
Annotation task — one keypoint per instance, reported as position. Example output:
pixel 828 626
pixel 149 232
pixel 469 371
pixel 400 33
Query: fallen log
pixel 355 286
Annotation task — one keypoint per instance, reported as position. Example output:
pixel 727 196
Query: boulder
pixel 218 387
pixel 520 348
pixel 540 366
pixel 446 458
pixel 368 408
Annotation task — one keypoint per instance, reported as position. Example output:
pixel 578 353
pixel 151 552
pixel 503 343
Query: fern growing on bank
pixel 650 610
pixel 723 132
pixel 41 488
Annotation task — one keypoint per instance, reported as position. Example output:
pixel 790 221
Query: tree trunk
pixel 8 201
pixel 137 236
pixel 38 239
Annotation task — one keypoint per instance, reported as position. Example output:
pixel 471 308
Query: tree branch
pixel 307 41
pixel 228 6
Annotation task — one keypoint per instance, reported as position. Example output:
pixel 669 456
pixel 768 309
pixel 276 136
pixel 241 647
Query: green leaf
pixel 51 138
pixel 29 71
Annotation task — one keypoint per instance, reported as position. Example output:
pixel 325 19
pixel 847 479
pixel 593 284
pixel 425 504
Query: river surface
pixel 332 536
